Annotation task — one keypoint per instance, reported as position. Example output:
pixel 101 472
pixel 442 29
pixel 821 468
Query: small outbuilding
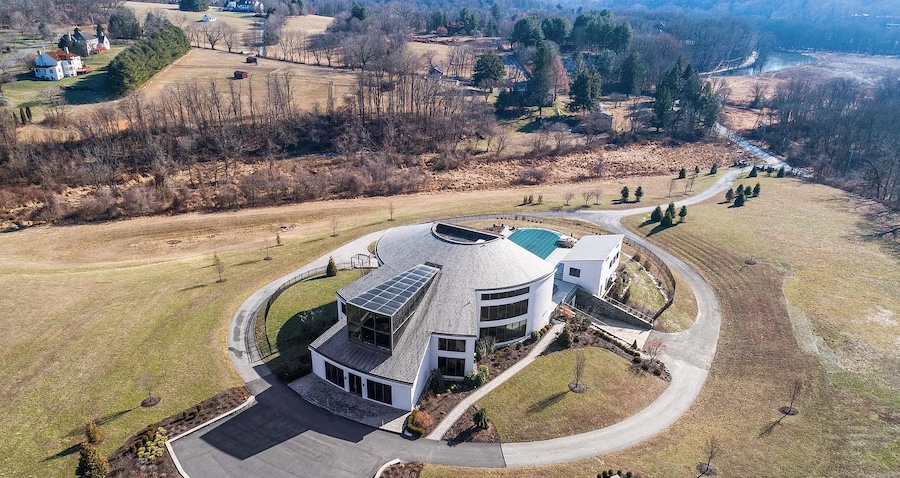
pixel 252 59
pixel 241 75
pixel 208 18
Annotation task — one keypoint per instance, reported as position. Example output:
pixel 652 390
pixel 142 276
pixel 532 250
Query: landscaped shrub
pixel 91 463
pixel 565 338
pixel 636 257
pixel 92 432
pixel 647 265
pixel 331 270
pixel 535 335
pixel 481 419
pixel 437 382
pixel 419 422
pixel 153 444
pixel 477 378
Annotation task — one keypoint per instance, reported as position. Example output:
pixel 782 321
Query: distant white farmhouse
pixel 95 44
pixel 56 65
pixel 208 18
pixel 248 6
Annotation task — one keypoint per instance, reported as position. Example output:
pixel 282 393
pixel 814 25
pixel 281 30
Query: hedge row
pixel 145 58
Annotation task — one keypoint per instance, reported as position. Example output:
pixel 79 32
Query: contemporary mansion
pixel 440 287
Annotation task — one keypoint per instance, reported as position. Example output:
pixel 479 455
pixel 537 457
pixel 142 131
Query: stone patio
pixel 325 395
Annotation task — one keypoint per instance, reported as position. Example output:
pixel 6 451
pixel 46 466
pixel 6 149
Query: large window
pixel 369 327
pixel 504 295
pixel 505 333
pixel 452 345
pixel 379 392
pixel 504 311
pixel 574 272
pixel 334 374
pixel 453 367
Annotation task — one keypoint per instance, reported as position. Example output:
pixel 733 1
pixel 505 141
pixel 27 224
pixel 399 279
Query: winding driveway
pixel 282 435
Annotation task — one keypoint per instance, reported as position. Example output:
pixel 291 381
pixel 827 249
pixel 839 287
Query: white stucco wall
pixel 401 394
pixel 540 305
pixel 595 274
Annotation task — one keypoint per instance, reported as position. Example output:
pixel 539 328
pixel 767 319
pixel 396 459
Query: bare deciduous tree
pixel 220 268
pixel 653 348
pixel 587 195
pixel 580 362
pixel 569 196
pixel 711 450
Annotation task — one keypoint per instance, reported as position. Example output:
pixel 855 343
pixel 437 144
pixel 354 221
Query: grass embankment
pixel 536 403
pixel 89 309
pixel 851 393
pixel 643 291
pixel 87 89
pixel 299 315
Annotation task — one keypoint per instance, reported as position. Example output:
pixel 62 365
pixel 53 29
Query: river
pixel 777 60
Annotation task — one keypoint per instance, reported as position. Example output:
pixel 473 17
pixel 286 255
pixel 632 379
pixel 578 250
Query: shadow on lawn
pixel 551 400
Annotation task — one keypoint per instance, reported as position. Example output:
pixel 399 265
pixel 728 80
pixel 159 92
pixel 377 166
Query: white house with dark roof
pixel 439 288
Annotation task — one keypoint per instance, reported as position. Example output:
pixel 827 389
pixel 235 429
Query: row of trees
pixel 143 59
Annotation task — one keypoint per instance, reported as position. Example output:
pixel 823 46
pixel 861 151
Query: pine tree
pixel 739 200
pixel 756 190
pixel 586 87
pixel 625 194
pixel 740 190
pixel 780 173
pixel 682 214
pixel 729 196
pixel 489 69
pixel 656 215
pixel 696 169
pixel 630 77
pixel 671 210
pixel 480 419
pixel 714 169
pixel 668 220
pixel 638 194
pixel 682 173
pixel 748 191
pixel 331 270
pixel 752 173
pixel 662 106
pixel 91 463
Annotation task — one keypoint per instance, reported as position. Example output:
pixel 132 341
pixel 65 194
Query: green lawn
pixel 644 294
pixel 27 90
pixel 536 403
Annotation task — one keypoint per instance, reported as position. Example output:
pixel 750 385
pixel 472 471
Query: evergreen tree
pixel 752 173
pixel 489 69
pixel 556 29
pixel 682 214
pixel 756 190
pixel 359 12
pixel 586 87
pixel 740 190
pixel 671 210
pixel 696 169
pixel 527 32
pixel 682 173
pixel 123 24
pixel 631 73
pixel 668 220
pixel 662 106
pixel 729 196
pixel 656 215
pixel 565 338
pixel 331 270
pixel 625 194
pixel 91 463
pixel 714 169
pixel 748 192
pixel 541 83
pixel 739 200
pixel 638 194
pixel 470 20
pixel 193 5
pixel 480 419
pixel 780 172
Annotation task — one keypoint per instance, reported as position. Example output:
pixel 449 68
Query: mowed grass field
pixel 88 310
pixel 204 67
pixel 819 305
pixel 536 403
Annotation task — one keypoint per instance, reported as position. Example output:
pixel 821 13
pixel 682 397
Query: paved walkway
pixel 479 393
pixel 285 436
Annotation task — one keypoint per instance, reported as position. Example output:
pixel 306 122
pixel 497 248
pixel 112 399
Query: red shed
pixel 241 75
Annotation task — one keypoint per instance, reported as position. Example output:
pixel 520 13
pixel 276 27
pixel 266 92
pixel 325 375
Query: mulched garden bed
pixel 123 463
pixel 464 430
pixel 591 337
pixel 439 405
pixel 402 470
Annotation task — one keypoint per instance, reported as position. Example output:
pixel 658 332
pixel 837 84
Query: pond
pixel 777 60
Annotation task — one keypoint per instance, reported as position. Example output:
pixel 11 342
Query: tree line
pixel 842 131
pixel 146 57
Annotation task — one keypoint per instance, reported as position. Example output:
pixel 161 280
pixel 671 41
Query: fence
pixel 261 334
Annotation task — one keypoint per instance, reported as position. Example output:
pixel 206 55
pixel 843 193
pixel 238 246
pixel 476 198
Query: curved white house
pixel 439 287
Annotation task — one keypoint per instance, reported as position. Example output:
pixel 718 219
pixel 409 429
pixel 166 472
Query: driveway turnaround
pixel 282 435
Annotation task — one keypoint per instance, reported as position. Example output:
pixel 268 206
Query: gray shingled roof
pixel 593 248
pixel 449 305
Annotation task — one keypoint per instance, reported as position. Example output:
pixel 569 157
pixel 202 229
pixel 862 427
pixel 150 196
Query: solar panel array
pixel 390 296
